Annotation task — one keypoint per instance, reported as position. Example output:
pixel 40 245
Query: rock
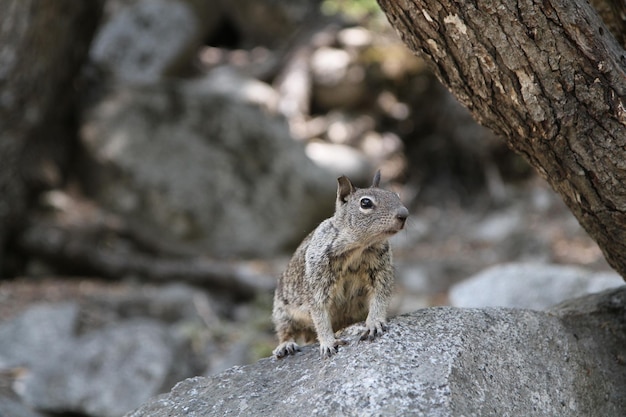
pixel 110 350
pixel 199 165
pixel 355 37
pixel 148 39
pixel 228 82
pixel 498 227
pixel 330 65
pixel 535 286
pixel 36 335
pixel 169 304
pixel 441 361
pixel 341 160
pixel 107 372
pixel 12 408
pixel 414 278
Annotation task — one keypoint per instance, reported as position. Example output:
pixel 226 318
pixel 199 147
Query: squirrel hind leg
pixel 309 336
pixel 287 335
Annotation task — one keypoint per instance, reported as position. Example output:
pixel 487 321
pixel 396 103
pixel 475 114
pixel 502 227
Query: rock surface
pixel 110 371
pixel 527 285
pixel 33 337
pixel 138 44
pixel 11 408
pixel 105 354
pixel 437 362
pixel 203 167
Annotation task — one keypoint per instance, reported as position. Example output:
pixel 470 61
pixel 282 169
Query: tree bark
pixel 42 46
pixel 550 78
pixel 613 13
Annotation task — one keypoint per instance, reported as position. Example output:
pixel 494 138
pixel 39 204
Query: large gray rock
pixel 12 408
pixel 437 362
pixel 30 339
pixel 107 372
pixel 148 39
pixel 105 354
pixel 198 164
pixel 528 285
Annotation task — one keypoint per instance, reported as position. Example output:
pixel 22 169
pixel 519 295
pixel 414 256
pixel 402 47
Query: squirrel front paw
pixel 328 350
pixel 372 330
pixel 286 348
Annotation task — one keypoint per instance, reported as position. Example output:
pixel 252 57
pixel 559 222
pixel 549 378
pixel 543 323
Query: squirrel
pixel 341 273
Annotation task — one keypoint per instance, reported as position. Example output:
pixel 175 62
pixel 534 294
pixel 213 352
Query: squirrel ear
pixel 344 188
pixel 376 179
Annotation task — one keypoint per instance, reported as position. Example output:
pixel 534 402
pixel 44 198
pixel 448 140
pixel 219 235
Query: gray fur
pixel 342 272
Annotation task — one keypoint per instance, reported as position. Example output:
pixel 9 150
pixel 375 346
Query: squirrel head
pixel 369 214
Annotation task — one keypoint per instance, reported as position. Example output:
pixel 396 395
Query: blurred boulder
pixel 170 304
pixel 12 408
pixel 341 160
pixel 145 40
pixel 32 338
pixel 534 286
pixel 199 164
pixel 107 372
pixel 108 351
pixel 498 226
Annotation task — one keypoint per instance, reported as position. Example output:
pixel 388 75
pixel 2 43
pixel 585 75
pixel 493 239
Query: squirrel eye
pixel 366 203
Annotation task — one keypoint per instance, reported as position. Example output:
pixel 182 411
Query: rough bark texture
pixel 550 78
pixel 42 45
pixel 613 13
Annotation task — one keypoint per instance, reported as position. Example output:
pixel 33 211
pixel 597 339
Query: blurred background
pixel 161 159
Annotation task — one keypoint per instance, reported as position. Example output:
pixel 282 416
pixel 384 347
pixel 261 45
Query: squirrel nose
pixel 402 214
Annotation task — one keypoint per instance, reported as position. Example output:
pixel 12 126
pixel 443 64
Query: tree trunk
pixel 550 78
pixel 613 13
pixel 42 45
